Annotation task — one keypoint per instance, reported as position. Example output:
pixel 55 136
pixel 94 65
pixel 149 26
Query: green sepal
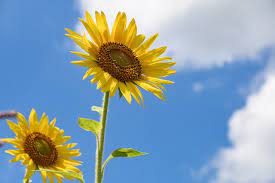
pixel 123 153
pixel 97 109
pixel 72 175
pixel 120 94
pixel 89 125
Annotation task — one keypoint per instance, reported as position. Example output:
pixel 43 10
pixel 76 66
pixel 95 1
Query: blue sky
pixel 181 135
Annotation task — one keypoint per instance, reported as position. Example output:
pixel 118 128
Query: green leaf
pixel 123 153
pixel 89 125
pixel 127 152
pixel 73 175
pixel 97 109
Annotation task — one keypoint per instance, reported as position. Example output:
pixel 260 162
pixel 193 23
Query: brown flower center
pixel 41 149
pixel 119 61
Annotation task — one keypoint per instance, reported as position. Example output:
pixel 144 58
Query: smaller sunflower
pixel 40 145
pixel 120 59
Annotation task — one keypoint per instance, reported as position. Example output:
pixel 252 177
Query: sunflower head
pixel 120 59
pixel 40 145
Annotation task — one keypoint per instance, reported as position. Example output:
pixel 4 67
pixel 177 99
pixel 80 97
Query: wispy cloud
pixel 197 87
pixel 201 34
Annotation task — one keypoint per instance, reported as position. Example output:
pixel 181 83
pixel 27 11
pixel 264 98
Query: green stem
pixel 100 140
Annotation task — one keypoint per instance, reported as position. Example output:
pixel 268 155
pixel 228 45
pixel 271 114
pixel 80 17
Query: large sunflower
pixel 120 58
pixel 40 145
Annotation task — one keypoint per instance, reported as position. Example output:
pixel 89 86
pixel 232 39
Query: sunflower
pixel 120 59
pixel 40 146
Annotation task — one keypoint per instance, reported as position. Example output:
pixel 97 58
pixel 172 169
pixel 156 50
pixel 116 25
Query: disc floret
pixel 119 61
pixel 41 149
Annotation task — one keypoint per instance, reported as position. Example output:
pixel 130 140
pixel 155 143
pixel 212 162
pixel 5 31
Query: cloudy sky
pixel 218 123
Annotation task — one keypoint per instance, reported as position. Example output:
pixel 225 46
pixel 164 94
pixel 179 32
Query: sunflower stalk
pixel 100 141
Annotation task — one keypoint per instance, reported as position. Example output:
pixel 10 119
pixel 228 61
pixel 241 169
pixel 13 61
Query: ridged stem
pixel 101 139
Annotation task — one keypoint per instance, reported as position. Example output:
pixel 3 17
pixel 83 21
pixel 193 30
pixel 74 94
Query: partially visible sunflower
pixel 120 59
pixel 40 145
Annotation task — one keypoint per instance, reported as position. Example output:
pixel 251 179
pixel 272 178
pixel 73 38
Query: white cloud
pixel 197 87
pixel 201 33
pixel 206 84
pixel 251 158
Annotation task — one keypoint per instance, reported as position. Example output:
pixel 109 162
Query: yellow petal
pixel 52 123
pixel 92 49
pixel 130 33
pixel 73 162
pixel 158 80
pixel 26 160
pixel 148 87
pixel 134 87
pixel 17 158
pixel 98 72
pixel 21 118
pixel 99 22
pixel 33 116
pixel 115 26
pixel 91 71
pixel 44 124
pixel 51 177
pixel 33 119
pixel 16 142
pixel 73 169
pixel 83 55
pixel 137 41
pixel 133 92
pixel 14 152
pixel 71 145
pixel 30 170
pixel 157 72
pixel 93 32
pixel 125 91
pixel 43 175
pixel 103 79
pixel 152 88
pixel 150 55
pixel 102 26
pixel 73 33
pixel 161 59
pixel 62 140
pixel 106 33
pixel 74 152
pixel 85 63
pixel 13 126
pixel 93 28
pixel 97 76
pixel 79 42
pixel 107 86
pixel 120 28
pixel 162 65
pixel 58 178
pixel 142 48
pixel 113 87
